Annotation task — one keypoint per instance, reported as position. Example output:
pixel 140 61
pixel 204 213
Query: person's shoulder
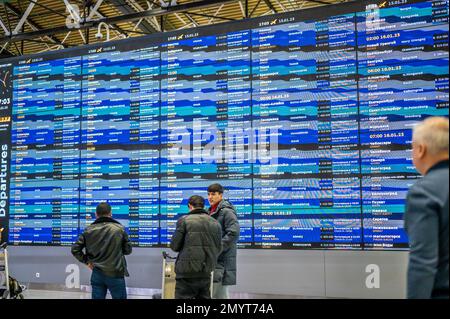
pixel 200 217
pixel 427 191
pixel 116 225
pixel 418 186
pixel 435 181
pixel 212 222
pixel 440 169
pixel 421 188
pixel 211 219
pixel 226 206
pixel 89 228
pixel 184 218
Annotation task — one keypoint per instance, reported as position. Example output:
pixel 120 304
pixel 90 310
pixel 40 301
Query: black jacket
pixel 426 222
pixel 226 269
pixel 106 244
pixel 197 238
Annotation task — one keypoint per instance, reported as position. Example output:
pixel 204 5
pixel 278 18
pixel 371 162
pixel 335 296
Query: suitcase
pixel 10 288
pixel 168 277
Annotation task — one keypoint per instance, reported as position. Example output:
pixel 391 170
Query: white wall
pixel 314 273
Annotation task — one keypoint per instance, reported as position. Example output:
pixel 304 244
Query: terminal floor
pixel 53 294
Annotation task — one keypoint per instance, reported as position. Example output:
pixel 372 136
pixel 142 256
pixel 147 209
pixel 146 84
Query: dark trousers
pixel 193 288
pixel 101 284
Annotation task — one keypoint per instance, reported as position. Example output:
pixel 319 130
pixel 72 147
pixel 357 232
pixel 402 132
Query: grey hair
pixel 433 132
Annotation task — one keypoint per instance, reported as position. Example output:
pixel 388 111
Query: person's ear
pixel 421 150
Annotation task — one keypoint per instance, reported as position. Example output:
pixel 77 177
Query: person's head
pixel 196 202
pixel 103 210
pixel 215 194
pixel 430 143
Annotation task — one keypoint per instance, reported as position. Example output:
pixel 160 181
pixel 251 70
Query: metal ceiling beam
pixel 254 9
pixel 114 26
pixel 241 6
pixel 119 19
pixel 319 2
pixel 181 19
pixel 124 8
pixel 210 16
pixel 167 21
pixel 191 19
pixel 23 18
pixel 4 52
pixel 10 28
pixel 4 27
pixel 216 14
pixel 154 23
pixel 270 6
pixel 32 23
pixel 94 9
pixel 169 10
pixel 280 4
pixel 47 8
pixel 42 42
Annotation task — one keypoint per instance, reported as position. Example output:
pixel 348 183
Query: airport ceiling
pixel 33 26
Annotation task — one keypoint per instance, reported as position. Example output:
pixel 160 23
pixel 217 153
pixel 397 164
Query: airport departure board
pixel 304 117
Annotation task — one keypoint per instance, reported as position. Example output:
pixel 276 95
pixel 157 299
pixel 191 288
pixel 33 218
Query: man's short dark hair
pixel 103 209
pixel 215 188
pixel 197 201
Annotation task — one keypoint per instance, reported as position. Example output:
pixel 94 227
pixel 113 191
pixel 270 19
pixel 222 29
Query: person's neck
pixel 197 209
pixel 109 216
pixel 435 160
pixel 216 204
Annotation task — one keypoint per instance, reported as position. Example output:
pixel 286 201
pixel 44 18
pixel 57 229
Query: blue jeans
pixel 101 283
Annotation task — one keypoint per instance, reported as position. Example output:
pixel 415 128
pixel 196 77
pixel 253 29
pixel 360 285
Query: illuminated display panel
pixel 304 117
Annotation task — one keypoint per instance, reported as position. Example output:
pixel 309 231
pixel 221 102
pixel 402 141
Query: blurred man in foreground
pixel 427 211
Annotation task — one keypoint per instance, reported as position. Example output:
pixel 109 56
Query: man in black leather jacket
pixel 198 239
pixel 106 243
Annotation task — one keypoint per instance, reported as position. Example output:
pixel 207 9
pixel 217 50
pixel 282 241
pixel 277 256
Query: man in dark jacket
pixel 224 212
pixel 197 239
pixel 427 211
pixel 106 244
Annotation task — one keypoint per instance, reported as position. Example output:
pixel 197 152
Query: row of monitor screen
pixel 304 117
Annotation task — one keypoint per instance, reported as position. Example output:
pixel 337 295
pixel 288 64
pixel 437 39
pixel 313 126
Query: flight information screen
pixel 304 117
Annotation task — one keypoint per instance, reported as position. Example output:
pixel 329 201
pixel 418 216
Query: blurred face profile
pixel 430 143
pixel 214 198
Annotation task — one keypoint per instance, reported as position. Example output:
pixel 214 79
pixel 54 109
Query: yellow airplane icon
pixel 180 37
pixel 383 4
pixel 274 22
pixel 99 50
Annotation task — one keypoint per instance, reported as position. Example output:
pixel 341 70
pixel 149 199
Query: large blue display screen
pixel 305 118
